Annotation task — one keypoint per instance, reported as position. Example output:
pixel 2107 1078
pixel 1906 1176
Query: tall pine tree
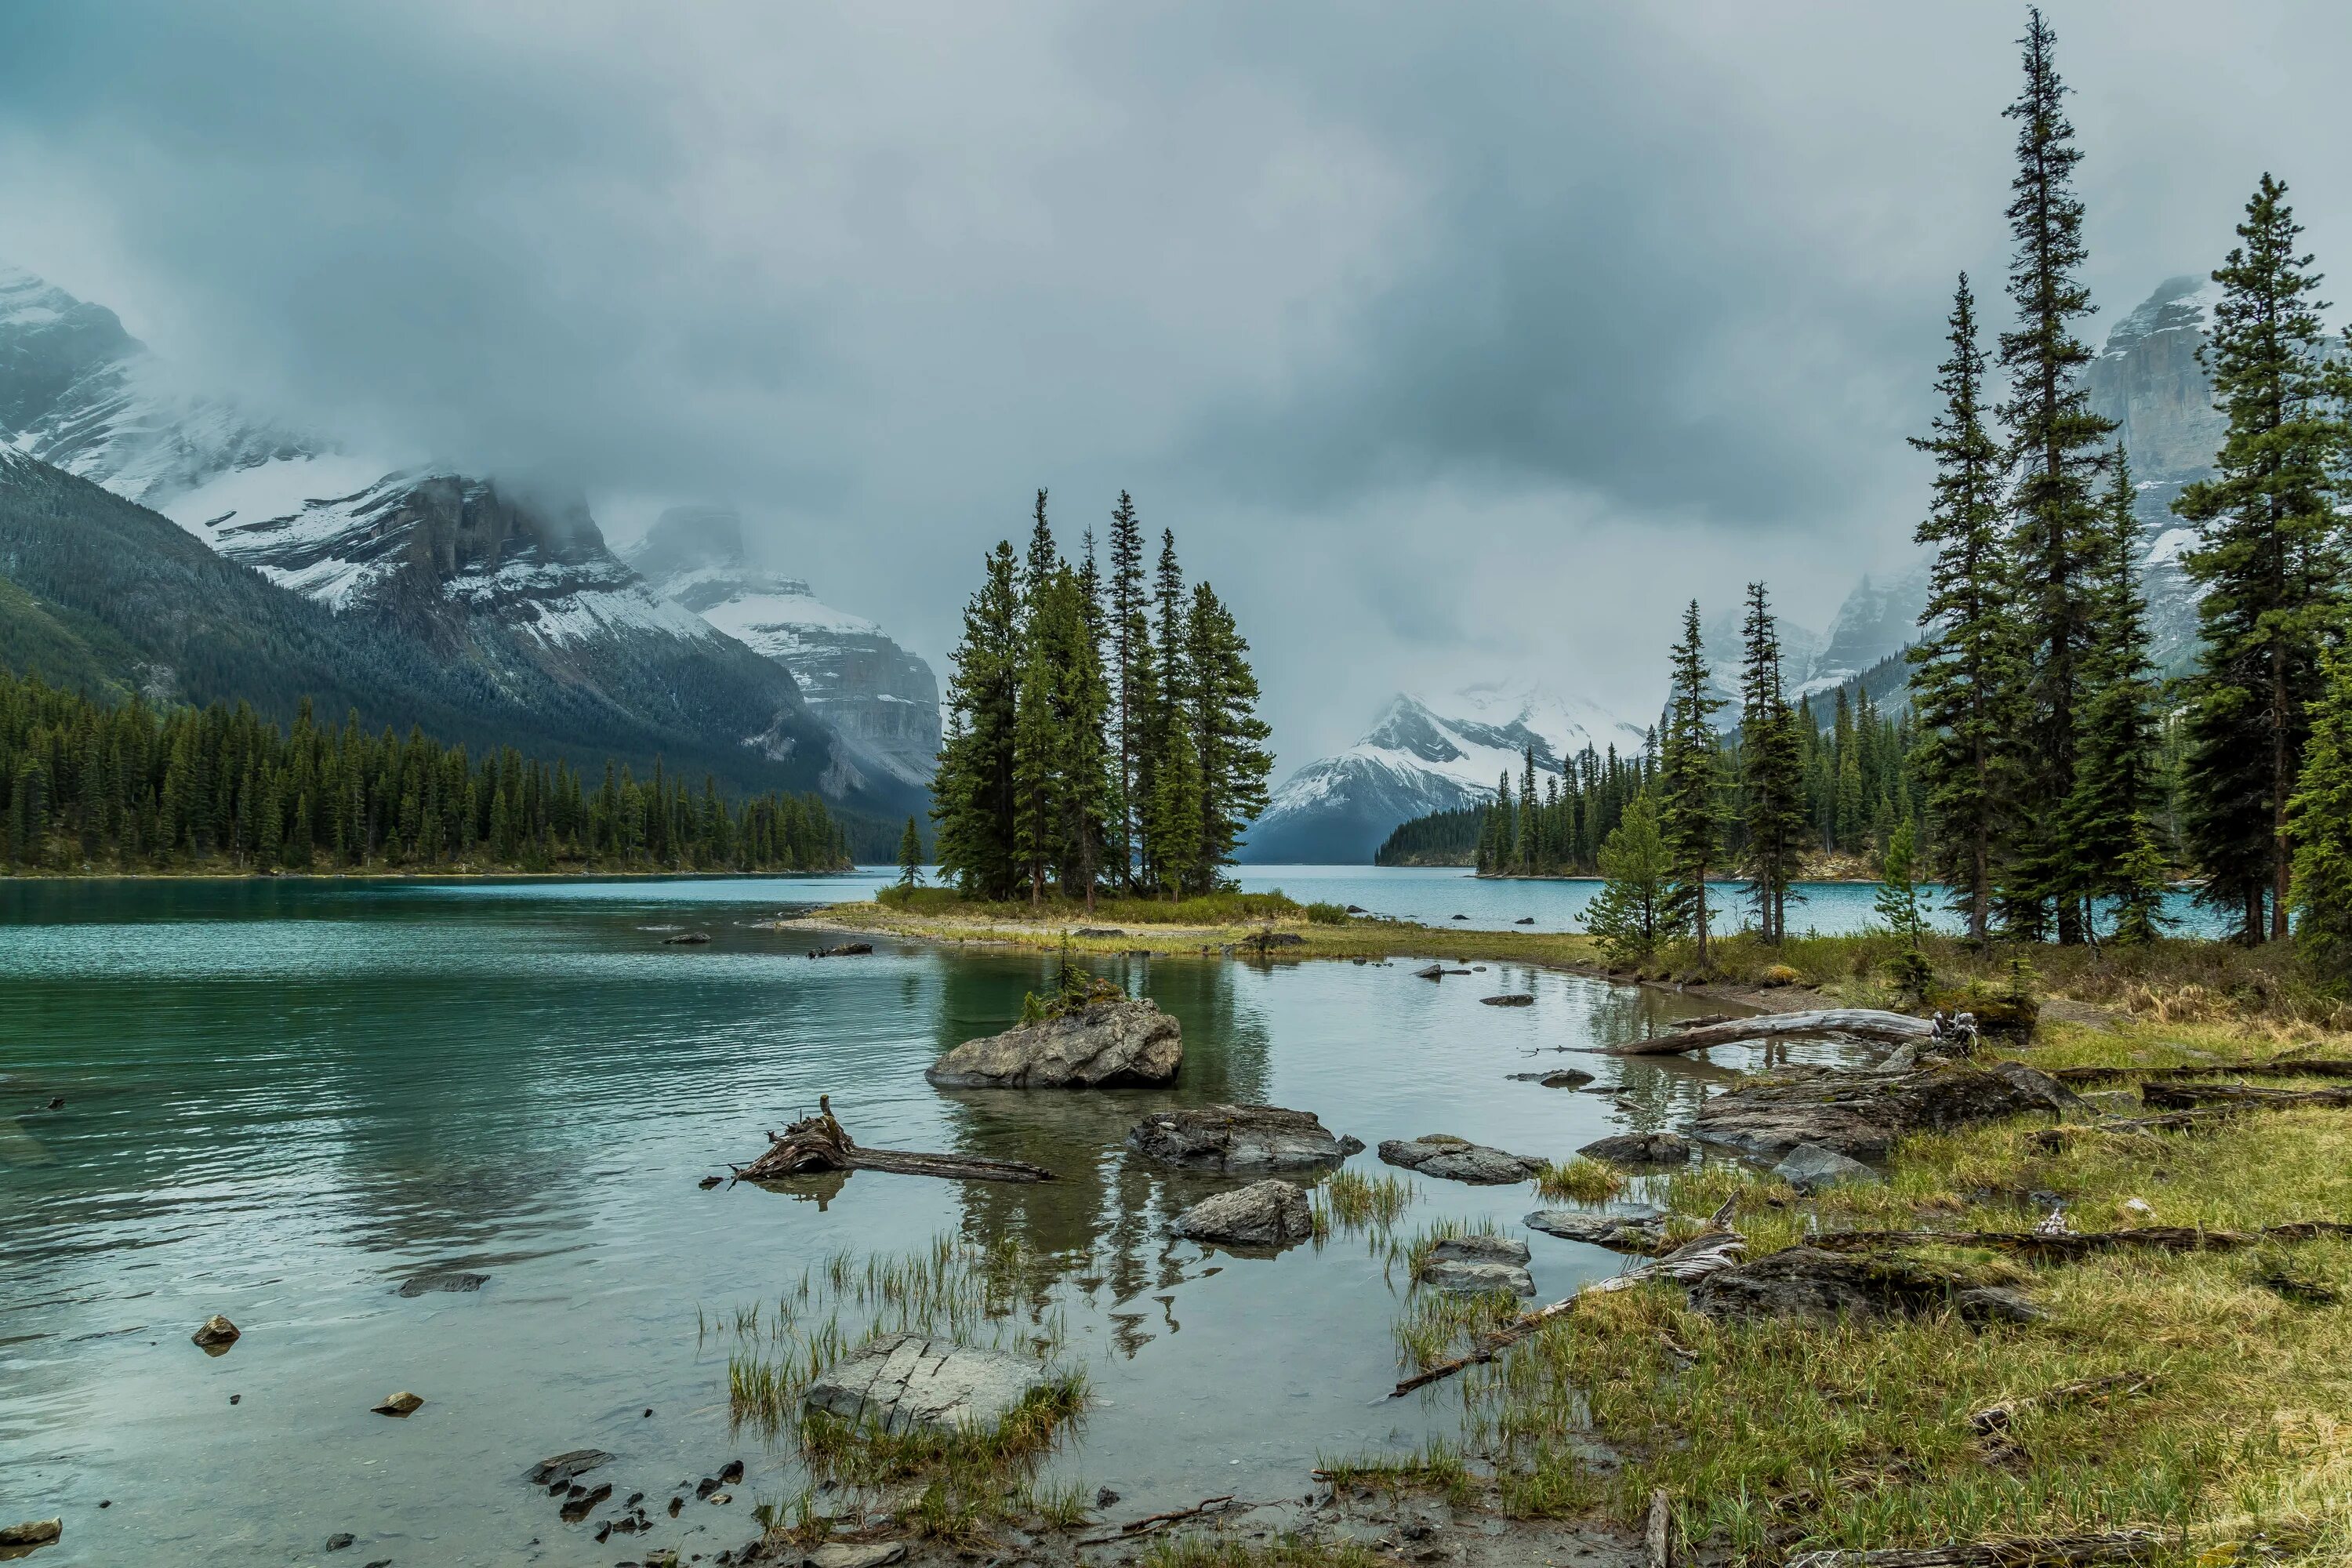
pixel 1963 672
pixel 2058 446
pixel 1771 771
pixel 1129 642
pixel 1230 736
pixel 972 793
pixel 2272 562
pixel 1691 780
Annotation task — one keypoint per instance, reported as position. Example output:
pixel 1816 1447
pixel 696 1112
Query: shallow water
pixel 283 1099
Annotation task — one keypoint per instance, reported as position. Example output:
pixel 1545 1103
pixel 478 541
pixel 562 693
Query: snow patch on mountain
pixel 1420 756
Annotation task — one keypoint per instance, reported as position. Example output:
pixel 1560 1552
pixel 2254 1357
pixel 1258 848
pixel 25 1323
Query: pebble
pixel 400 1404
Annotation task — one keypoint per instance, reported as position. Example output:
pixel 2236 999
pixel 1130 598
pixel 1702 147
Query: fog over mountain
pixel 1450 359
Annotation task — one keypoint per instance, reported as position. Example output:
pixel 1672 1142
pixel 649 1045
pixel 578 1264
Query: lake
pixel 282 1098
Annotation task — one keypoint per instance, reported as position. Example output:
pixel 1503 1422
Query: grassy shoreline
pixel 2223 1423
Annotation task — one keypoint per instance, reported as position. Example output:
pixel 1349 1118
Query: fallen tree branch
pixel 1896 1028
pixel 2188 1096
pixel 2317 1069
pixel 2050 1140
pixel 818 1143
pixel 1694 1259
pixel 1996 1417
pixel 2067 1245
pixel 2027 1551
pixel 1152 1522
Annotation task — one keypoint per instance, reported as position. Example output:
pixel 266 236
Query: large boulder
pixel 1271 1213
pixel 1477 1266
pixel 1103 1046
pixel 1459 1160
pixel 907 1383
pixel 1860 1115
pixel 1806 1281
pixel 1638 1148
pixel 1226 1137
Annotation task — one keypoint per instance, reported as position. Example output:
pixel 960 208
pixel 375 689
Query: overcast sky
pixel 1454 342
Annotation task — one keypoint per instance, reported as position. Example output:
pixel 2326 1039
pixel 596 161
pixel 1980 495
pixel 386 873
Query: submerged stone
pixel 1239 1138
pixel 1477 1265
pixel 1459 1160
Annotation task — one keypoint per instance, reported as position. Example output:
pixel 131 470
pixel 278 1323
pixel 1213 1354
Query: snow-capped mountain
pixel 513 591
pixel 1876 621
pixel 879 698
pixel 1420 757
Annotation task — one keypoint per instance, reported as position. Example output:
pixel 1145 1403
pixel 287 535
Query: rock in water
pixel 216 1333
pixel 687 938
pixel 906 1383
pixel 1509 999
pixel 1860 1114
pixel 1265 1214
pixel 32 1533
pixel 1430 971
pixel 455 1281
pixel 1459 1160
pixel 1638 1148
pixel 1098 1047
pixel 1809 1166
pixel 1632 1229
pixel 1558 1077
pixel 400 1404
pixel 1476 1265
pixel 1805 1281
pixel 568 1466
pixel 1239 1138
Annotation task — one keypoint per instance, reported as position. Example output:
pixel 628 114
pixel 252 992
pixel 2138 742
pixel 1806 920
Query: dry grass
pixel 1774 1434
pixel 1579 1180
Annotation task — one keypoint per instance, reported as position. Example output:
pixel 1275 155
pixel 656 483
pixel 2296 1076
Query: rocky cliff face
pixel 883 701
pixel 2148 382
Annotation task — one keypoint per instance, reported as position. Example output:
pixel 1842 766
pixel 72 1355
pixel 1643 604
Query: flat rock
pixel 1809 1167
pixel 844 950
pixel 1099 931
pixel 856 1554
pixel 1806 1282
pixel 216 1333
pixel 1558 1077
pixel 1104 1045
pixel 1477 1265
pixel 1860 1115
pixel 1459 1160
pixel 1239 1138
pixel 455 1281
pixel 1510 999
pixel 1631 1229
pixel 907 1382
pixel 1638 1148
pixel 1272 1212
pixel 1430 971
pixel 687 938
pixel 32 1533
pixel 568 1466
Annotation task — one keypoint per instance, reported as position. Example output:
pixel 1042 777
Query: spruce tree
pixel 2057 446
pixel 1171 696
pixel 1771 771
pixel 1129 640
pixel 972 791
pixel 1634 911
pixel 1963 672
pixel 1230 737
pixel 2320 819
pixel 910 857
pixel 1082 708
pixel 2110 815
pixel 2272 562
pixel 1175 826
pixel 1691 780
pixel 1039 749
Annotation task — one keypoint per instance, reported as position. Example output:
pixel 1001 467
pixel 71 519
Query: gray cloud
pixel 1454 342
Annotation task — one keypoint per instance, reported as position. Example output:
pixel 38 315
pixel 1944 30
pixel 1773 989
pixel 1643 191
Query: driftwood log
pixel 819 1143
pixel 2026 1552
pixel 1896 1028
pixel 2189 1096
pixel 1694 1259
pixel 2317 1068
pixel 2064 1245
